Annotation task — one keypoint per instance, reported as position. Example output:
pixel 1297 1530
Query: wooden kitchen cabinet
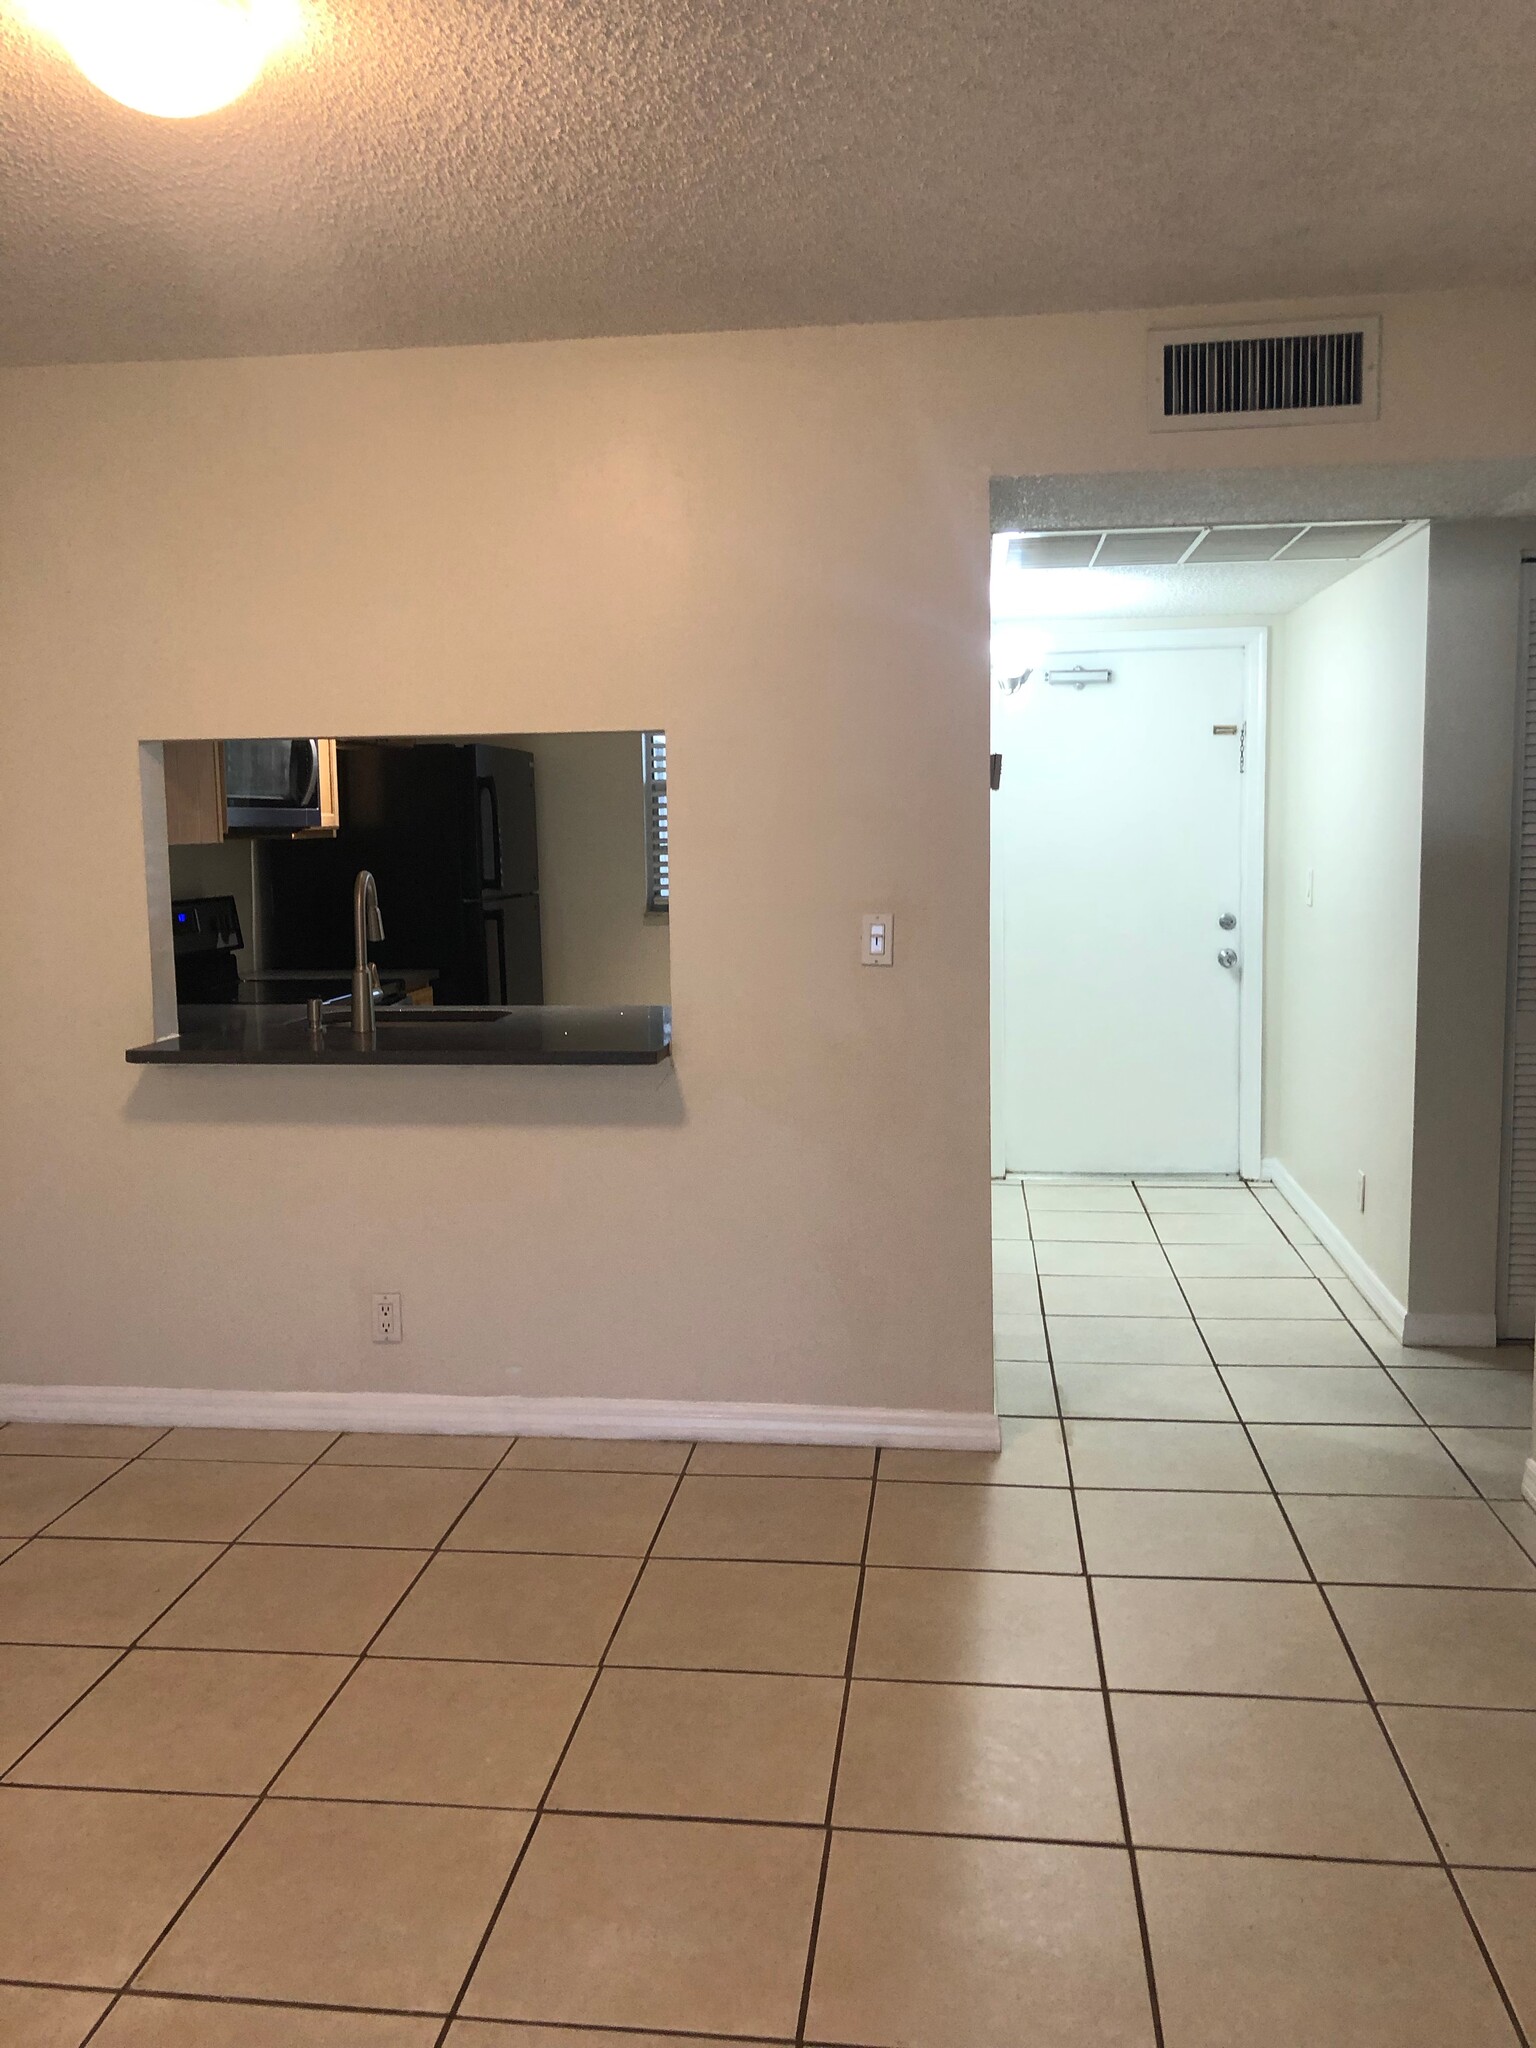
pixel 330 794
pixel 194 792
pixel 195 797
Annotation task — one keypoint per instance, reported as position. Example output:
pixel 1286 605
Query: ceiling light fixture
pixel 172 58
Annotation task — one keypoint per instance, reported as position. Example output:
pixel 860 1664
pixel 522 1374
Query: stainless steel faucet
pixel 367 925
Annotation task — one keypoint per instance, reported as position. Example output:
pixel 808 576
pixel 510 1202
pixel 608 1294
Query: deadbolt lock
pixel 1227 921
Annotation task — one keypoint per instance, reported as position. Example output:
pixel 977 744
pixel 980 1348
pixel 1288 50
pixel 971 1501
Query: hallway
pixel 1316 1632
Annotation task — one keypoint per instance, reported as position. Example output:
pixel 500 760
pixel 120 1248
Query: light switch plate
pixel 878 939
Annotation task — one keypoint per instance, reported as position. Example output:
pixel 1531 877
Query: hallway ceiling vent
pixel 1265 376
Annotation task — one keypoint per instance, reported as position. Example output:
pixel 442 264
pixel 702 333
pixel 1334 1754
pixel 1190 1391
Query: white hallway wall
pixel 792 532
pixel 1346 767
pixel 1391 784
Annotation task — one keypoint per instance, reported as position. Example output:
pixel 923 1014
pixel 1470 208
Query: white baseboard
pixel 1410 1327
pixel 1333 1240
pixel 508 1415
pixel 1528 1482
pixel 1473 1332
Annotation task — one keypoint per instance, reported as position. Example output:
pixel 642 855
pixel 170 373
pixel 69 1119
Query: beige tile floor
pixel 1204 1713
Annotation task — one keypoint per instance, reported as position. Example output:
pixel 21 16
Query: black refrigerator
pixel 450 834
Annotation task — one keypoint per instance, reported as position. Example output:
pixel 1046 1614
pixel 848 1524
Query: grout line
pixel 215 1998
pixel 126 1650
pixel 542 1807
pixel 1372 1365
pixel 837 1758
pixel 580 2030
pixel 757 1822
pixel 778 1671
pixel 1440 1440
pixel 261 1797
pixel 1435 1856
pixel 1129 1843
pixel 1106 1702
pixel 1420 1810
pixel 162 1431
pixel 1380 1720
pixel 799 1479
pixel 1424 1821
pixel 90 1490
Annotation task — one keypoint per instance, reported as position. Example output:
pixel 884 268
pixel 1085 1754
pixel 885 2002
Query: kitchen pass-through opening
pixel 510 871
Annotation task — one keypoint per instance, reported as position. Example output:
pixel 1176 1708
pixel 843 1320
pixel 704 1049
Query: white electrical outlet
pixel 878 939
pixel 386 1319
pixel 1360 1190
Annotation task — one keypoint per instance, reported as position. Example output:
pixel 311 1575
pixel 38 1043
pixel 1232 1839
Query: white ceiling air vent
pixel 1266 376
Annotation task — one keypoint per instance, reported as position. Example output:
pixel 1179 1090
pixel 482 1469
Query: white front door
pixel 1119 856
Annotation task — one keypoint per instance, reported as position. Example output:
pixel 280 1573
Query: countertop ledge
pixel 277 1035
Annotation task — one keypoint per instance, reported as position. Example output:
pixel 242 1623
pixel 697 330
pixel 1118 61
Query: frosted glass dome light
pixel 172 58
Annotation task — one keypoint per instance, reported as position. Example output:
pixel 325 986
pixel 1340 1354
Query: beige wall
pixel 751 540
pixel 599 944
pixel 1346 750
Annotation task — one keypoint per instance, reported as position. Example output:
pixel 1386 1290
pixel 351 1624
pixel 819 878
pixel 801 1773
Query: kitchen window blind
pixel 657 869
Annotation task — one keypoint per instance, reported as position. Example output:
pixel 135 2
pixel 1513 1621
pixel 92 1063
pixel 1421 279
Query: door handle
pixel 1226 957
pixel 490 823
pixel 305 779
pixel 496 918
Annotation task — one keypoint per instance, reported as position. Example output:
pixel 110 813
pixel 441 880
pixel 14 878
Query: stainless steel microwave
pixel 272 786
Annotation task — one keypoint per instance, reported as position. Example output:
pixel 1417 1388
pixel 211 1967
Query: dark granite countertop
pixel 277 1034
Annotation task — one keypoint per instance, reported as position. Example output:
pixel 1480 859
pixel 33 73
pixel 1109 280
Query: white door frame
pixel 1070 636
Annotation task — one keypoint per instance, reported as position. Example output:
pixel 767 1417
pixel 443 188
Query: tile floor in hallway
pixel 1205 1713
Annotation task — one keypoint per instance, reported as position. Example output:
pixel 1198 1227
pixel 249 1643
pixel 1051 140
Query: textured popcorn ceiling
pixel 480 170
